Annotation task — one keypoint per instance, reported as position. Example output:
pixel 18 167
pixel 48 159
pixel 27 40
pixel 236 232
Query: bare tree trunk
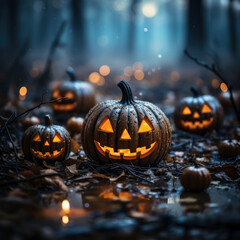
pixel 195 27
pixel 232 29
pixel 78 30
pixel 13 26
pixel 132 27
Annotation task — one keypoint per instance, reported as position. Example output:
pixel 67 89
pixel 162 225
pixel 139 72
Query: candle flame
pixel 66 206
pixel 23 91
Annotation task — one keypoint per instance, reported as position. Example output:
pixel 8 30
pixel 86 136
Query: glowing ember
pixel 104 70
pixel 66 206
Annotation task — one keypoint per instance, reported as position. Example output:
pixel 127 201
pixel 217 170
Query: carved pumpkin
pixel 229 148
pixel 195 178
pixel 126 131
pixel 78 96
pixel 49 142
pixel 30 121
pixel 74 124
pixel 198 114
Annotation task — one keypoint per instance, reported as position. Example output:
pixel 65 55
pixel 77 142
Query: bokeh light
pixel 223 87
pixel 104 70
pixel 149 9
pixel 94 77
pixel 65 219
pixel 174 76
pixel 215 83
pixel 139 74
pixel 23 91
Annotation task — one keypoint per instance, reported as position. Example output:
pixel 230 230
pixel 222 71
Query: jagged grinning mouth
pixel 197 124
pixel 126 154
pixel 47 155
pixel 64 107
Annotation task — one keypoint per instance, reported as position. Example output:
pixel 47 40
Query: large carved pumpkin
pixel 49 142
pixel 78 96
pixel 198 114
pixel 126 131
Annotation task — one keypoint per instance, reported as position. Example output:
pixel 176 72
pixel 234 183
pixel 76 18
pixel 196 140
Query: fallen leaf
pixel 111 179
pixel 71 170
pixel 55 181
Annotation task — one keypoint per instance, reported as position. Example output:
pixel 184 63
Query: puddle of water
pixel 140 201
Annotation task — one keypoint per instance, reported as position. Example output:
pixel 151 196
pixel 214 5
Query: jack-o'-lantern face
pixel 68 100
pixel 194 119
pixel 198 114
pixel 140 152
pixel 46 142
pixel 75 96
pixel 46 148
pixel 126 131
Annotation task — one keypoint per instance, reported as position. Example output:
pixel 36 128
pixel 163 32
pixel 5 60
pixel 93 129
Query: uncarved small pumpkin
pixel 30 121
pixel 229 148
pixel 195 178
pixel 74 124
pixel 46 142
pixel 126 131
pixel 77 96
pixel 198 114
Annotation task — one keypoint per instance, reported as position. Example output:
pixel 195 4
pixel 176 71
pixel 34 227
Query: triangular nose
pixel 196 115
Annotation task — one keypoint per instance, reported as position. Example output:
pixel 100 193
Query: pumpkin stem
pixel 71 73
pixel 194 91
pixel 48 120
pixel 127 97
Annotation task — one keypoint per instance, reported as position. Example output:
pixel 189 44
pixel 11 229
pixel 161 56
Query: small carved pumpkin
pixel 30 121
pixel 195 178
pixel 198 114
pixel 74 124
pixel 77 96
pixel 126 131
pixel 49 142
pixel 229 148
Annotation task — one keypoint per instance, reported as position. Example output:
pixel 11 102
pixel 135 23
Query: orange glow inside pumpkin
pixel 196 115
pixel 145 126
pixel 106 126
pixel 206 109
pixel 125 135
pixel 186 111
pixel 142 152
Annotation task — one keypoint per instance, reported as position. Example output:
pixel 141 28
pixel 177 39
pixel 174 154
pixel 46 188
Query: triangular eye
pixel 57 138
pixel 125 135
pixel 106 126
pixel 46 143
pixel 37 138
pixel 206 109
pixel 56 94
pixel 145 126
pixel 186 111
pixel 69 95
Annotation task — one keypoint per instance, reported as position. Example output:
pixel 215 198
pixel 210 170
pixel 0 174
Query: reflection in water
pixel 194 202
pixel 65 219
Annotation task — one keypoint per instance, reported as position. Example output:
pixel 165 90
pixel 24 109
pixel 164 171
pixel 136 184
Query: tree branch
pixel 213 69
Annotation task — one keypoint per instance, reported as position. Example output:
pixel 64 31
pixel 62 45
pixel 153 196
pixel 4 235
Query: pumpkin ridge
pixel 160 127
pixel 102 108
pixel 167 128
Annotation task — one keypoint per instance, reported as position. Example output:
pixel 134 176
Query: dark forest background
pixel 117 33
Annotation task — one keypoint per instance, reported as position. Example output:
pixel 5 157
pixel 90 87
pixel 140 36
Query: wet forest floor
pixel 116 201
